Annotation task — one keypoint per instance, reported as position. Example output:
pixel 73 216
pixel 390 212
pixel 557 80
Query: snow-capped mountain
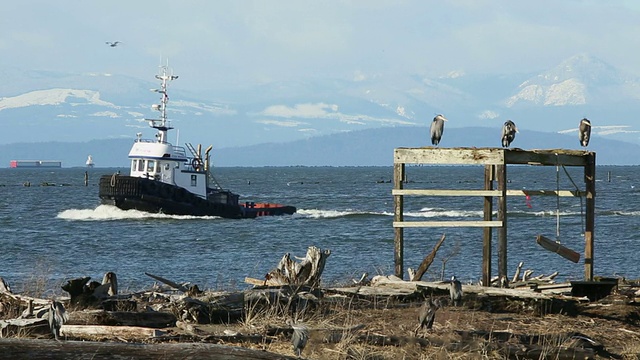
pixel 38 106
pixel 579 80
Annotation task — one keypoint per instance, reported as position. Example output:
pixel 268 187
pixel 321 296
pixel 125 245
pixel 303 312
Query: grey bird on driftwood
pixel 455 291
pixel 57 316
pixel 436 129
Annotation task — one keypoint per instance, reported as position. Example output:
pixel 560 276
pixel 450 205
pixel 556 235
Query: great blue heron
pixel 455 291
pixel 427 314
pixel 299 338
pixel 57 317
pixel 111 279
pixel 509 131
pixel 584 132
pixel 437 128
pixel 112 44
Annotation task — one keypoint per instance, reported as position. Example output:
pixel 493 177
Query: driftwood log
pixel 307 272
pixel 424 266
pixel 44 349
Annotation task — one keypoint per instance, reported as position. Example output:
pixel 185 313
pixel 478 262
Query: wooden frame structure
pixel 495 161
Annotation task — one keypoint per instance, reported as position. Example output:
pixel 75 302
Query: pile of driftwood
pixel 169 314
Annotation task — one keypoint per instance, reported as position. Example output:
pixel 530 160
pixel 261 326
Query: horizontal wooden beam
pixel 478 223
pixel 561 193
pixel 435 192
pixel 490 156
pixel 547 157
pixel 452 156
pixel 429 192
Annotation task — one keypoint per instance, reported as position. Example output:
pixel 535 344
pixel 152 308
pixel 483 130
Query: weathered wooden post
pixel 398 204
pixel 590 187
pixel 501 176
pixel 488 215
pixel 86 178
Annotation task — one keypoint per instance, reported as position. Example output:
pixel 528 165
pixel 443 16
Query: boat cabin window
pixel 151 166
pixel 194 180
pixel 140 165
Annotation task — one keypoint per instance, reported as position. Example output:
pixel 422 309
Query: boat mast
pixel 162 123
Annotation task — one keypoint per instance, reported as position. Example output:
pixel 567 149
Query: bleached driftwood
pixel 516 276
pixel 424 266
pixel 90 332
pixel 308 272
pixel 23 327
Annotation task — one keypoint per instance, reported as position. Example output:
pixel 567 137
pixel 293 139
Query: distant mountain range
pixel 371 147
pixel 44 106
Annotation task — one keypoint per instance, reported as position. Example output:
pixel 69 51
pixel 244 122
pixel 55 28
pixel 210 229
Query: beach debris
pixel 424 266
pixel 307 272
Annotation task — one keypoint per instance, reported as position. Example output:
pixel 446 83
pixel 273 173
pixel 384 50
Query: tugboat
pixel 166 179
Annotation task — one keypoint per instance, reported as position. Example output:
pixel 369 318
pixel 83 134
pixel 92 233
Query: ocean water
pixel 61 232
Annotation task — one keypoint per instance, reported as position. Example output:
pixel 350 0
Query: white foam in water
pixel 109 212
pixel 329 214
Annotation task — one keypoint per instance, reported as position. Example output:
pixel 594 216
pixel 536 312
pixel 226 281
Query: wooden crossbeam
pixel 466 223
pixel 433 192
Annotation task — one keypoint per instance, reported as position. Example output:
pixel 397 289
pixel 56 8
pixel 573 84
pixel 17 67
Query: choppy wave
pixel 331 214
pixel 109 212
pixel 620 213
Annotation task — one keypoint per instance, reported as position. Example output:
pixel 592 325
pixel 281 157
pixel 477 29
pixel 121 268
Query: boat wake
pixel 332 214
pixel 109 212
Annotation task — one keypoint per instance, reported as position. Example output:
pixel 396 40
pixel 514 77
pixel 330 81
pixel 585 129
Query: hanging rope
pixel 580 195
pixel 557 199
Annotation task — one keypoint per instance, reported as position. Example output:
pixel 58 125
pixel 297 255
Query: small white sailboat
pixel 89 162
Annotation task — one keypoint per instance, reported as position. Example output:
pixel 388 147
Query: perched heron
pixel 299 338
pixel 112 44
pixel 427 314
pixel 509 131
pixel 57 317
pixel 437 128
pixel 111 279
pixel 584 132
pixel 455 291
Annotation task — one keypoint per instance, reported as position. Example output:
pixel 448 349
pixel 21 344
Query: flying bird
pixel 584 132
pixel 57 317
pixel 509 131
pixel 299 338
pixel 455 291
pixel 427 315
pixel 437 128
pixel 113 44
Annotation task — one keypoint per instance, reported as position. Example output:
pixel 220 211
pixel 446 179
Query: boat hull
pixel 133 193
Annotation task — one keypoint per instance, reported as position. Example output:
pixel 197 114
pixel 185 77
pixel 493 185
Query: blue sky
pixel 246 41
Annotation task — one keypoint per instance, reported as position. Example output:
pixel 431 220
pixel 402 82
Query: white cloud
pixel 52 97
pixel 604 130
pixel 488 114
pixel 280 123
pixel 110 114
pixel 300 110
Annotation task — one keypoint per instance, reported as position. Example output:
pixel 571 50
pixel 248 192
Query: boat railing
pixel 178 150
